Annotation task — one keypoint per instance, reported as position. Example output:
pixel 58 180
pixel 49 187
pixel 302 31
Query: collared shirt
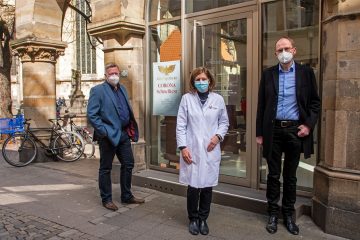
pixel 122 105
pixel 287 108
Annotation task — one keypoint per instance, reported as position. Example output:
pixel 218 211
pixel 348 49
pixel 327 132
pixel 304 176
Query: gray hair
pixel 111 65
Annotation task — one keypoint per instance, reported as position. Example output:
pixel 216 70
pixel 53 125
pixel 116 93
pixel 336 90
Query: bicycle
pixel 20 148
pixel 89 147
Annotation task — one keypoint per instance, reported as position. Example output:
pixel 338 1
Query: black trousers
pixel 285 140
pixel 198 202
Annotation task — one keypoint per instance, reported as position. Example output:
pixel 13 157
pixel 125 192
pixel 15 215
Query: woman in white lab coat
pixel 202 123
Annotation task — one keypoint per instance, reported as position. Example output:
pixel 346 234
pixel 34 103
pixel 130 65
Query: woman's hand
pixel 185 153
pixel 213 142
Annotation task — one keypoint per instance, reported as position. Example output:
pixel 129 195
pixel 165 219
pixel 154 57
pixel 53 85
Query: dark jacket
pixel 104 116
pixel 307 99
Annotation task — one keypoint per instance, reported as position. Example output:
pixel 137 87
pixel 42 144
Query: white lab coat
pixel 196 125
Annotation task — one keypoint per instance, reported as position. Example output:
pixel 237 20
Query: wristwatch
pixel 219 137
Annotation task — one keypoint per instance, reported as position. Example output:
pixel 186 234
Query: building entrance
pixel 225 45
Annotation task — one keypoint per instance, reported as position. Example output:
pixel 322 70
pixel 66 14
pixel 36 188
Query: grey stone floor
pixel 57 200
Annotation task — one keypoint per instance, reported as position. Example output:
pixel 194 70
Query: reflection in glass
pixel 300 21
pixel 222 48
pixel 165 45
pixel 164 9
pixel 200 5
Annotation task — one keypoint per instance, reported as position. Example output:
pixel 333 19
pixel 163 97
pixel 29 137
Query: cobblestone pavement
pixel 15 224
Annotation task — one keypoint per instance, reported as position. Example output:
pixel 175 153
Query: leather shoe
pixel 194 227
pixel 203 227
pixel 110 206
pixel 134 200
pixel 271 226
pixel 291 226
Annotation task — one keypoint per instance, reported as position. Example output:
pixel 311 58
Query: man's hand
pixel 213 142
pixel 185 153
pixel 259 140
pixel 304 130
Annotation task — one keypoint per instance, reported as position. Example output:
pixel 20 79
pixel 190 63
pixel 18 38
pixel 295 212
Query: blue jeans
pixel 125 155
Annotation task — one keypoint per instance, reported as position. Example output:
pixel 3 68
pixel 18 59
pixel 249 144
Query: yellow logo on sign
pixel 166 69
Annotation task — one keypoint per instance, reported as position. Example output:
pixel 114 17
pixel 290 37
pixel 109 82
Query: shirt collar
pixel 291 69
pixel 112 87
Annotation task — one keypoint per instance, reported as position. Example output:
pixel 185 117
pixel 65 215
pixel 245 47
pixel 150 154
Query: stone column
pixel 121 27
pixel 336 201
pixel 38 57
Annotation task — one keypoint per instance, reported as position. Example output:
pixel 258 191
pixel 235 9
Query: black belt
pixel 286 123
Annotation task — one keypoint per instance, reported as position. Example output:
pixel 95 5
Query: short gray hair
pixel 111 65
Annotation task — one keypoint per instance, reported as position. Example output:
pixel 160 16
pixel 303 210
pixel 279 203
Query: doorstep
pixel 248 199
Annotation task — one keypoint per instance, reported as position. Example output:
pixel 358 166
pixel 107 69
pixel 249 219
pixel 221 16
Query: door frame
pixel 252 84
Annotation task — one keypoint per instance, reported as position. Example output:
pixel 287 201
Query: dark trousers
pixel 285 140
pixel 198 202
pixel 125 155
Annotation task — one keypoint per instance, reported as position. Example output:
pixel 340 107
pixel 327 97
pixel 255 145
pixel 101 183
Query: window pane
pixel 298 19
pixel 221 47
pixel 200 5
pixel 164 9
pixel 165 45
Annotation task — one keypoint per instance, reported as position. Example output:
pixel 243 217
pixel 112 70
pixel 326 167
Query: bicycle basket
pixel 12 125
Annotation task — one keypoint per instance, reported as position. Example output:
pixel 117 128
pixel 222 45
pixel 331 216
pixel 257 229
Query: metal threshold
pixel 248 199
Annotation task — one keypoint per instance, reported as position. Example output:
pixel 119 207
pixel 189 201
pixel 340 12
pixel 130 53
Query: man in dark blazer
pixel 288 109
pixel 110 113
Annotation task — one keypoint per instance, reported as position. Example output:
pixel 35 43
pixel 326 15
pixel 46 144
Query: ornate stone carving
pixel 38 50
pixel 38 54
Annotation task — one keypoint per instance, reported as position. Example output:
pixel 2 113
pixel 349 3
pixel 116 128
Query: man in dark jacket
pixel 288 109
pixel 110 113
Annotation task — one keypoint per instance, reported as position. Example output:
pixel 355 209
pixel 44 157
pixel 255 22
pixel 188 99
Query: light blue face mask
pixel 202 85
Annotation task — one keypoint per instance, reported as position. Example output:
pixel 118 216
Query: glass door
pixel 224 46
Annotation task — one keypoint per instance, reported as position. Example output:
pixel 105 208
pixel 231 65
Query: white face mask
pixel 114 79
pixel 285 57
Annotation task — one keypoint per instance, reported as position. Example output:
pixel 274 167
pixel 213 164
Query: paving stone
pixel 68 233
pixel 16 225
pixel 98 220
pixel 110 215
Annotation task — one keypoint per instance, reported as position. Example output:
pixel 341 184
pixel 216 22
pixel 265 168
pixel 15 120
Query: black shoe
pixel 204 228
pixel 271 226
pixel 194 227
pixel 291 226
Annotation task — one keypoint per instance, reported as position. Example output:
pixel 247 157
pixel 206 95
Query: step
pixel 248 199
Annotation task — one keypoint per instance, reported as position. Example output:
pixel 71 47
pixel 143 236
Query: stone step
pixel 248 199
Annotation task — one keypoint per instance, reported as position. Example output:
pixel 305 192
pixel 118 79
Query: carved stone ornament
pixel 38 54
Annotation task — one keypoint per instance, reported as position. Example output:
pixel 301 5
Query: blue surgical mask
pixel 202 85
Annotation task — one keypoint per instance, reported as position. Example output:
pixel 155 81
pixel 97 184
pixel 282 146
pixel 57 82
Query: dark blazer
pixel 104 116
pixel 307 98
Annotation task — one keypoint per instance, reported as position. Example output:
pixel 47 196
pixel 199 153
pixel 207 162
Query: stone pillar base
pixel 336 221
pixel 336 208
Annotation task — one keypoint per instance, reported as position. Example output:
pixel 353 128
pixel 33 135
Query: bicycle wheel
pixel 69 146
pixel 19 150
pixel 89 147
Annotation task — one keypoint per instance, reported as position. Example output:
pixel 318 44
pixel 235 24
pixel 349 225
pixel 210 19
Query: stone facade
pixel 121 27
pixel 336 201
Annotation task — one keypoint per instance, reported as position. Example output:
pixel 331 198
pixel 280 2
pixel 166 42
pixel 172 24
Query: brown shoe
pixel 110 206
pixel 135 200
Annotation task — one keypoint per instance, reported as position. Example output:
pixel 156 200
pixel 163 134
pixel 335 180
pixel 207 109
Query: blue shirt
pixel 287 108
pixel 122 106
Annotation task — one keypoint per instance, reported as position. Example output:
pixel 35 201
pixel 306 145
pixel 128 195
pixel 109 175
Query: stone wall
pixel 336 201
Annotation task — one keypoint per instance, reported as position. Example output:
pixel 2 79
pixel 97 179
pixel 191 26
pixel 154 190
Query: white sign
pixel 166 88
